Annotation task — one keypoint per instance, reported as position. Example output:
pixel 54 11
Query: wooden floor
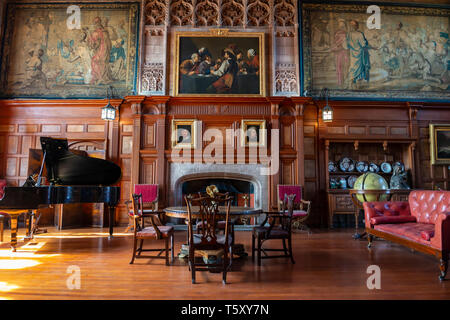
pixel 329 265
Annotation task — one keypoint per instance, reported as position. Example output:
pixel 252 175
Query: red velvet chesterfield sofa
pixel 422 223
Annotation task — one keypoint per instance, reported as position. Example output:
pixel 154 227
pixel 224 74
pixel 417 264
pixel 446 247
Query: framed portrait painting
pixel 440 143
pixel 219 63
pixel 70 50
pixel 253 133
pixel 405 58
pixel 184 133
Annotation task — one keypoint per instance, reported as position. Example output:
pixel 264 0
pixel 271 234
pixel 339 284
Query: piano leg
pixel 28 221
pixel 112 210
pixel 14 218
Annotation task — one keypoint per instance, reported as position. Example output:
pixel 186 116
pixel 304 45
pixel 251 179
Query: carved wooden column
pixel 136 109
pixel 414 157
pixel 299 104
pixel 112 139
pixel 274 180
pixel 160 103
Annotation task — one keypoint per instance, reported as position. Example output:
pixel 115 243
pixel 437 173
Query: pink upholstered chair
pixel 150 194
pixel 302 207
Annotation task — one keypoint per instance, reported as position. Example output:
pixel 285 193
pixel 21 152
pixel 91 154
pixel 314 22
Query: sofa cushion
pixel 391 219
pixel 427 235
pixel 411 230
pixel 427 205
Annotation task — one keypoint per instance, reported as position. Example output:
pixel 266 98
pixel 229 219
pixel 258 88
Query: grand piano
pixel 72 178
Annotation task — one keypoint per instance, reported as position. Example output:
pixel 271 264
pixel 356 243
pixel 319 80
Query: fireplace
pixel 238 179
pixel 242 192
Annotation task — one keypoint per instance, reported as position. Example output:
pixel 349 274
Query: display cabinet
pixel 368 151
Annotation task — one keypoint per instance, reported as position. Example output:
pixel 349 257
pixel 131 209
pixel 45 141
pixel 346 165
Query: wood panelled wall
pixel 139 140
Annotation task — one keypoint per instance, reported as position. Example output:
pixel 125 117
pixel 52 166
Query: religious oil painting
pixel 253 133
pixel 408 57
pixel 184 133
pixel 219 63
pixel 50 52
pixel 440 143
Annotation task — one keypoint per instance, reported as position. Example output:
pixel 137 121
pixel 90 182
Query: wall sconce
pixel 109 111
pixel 327 111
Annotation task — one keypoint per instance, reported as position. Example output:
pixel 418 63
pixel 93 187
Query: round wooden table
pixel 235 212
pixel 181 212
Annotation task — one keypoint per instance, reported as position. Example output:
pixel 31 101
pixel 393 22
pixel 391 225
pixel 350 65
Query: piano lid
pixel 66 168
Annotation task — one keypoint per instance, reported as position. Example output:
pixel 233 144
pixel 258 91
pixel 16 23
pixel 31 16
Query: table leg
pixel 358 235
pixel 14 219
pixel 112 210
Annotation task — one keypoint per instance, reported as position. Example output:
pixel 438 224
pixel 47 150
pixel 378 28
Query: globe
pixel 370 181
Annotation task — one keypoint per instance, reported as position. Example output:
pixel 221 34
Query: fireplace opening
pixel 243 192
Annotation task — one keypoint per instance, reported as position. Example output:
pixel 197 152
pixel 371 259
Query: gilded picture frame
pixel 226 64
pixel 184 133
pixel 403 59
pixel 49 53
pixel 253 133
pixel 440 144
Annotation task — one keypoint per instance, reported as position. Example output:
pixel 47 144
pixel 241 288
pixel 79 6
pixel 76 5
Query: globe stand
pixel 359 204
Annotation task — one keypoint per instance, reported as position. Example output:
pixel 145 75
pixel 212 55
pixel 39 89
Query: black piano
pixel 73 179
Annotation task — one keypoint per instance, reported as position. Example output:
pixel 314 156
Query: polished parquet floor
pixel 329 265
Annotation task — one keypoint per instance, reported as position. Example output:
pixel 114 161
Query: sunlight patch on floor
pixel 6 287
pixel 18 264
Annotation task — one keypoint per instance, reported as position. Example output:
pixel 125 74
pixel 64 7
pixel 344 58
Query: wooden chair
pixel 221 224
pixel 281 231
pixel 302 208
pixel 154 232
pixel 208 212
pixel 150 196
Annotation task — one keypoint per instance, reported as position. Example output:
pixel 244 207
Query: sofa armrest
pixel 441 237
pixel 377 209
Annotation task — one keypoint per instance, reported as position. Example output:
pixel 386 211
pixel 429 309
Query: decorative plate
pixel 345 164
pixel 334 184
pixel 398 164
pixel 362 166
pixel 373 167
pixel 351 181
pixel 386 167
pixel 332 166
pixel 351 167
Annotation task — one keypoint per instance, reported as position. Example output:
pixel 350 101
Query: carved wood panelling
pixel 148 171
pixel 287 171
pixel 253 109
pixel 285 79
pixel 155 12
pixel 284 12
pixel 255 13
pixel 150 135
pixel 431 176
pixel 207 13
pixel 233 13
pixel 153 78
pixel 182 13
pixel 127 144
pixel 258 13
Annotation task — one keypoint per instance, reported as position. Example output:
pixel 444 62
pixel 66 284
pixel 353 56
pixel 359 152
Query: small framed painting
pixel 184 133
pixel 253 133
pixel 440 143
